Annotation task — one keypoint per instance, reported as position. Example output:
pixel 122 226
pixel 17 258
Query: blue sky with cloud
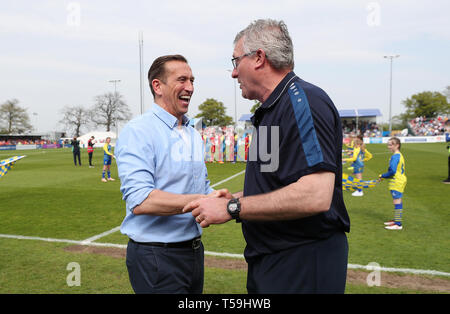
pixel 48 60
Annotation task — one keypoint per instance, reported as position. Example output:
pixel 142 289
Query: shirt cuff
pixel 137 198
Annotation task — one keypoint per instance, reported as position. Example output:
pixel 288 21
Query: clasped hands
pixel 210 209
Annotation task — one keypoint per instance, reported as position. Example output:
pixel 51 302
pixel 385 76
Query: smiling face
pixel 173 93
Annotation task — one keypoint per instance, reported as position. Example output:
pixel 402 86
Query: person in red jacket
pixel 90 150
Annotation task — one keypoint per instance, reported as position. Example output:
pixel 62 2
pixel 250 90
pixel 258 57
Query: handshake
pixel 220 193
pixel 211 209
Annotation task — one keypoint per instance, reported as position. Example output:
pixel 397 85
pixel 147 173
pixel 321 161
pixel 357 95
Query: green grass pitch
pixel 46 196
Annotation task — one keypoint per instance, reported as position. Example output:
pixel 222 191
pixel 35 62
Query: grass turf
pixel 45 195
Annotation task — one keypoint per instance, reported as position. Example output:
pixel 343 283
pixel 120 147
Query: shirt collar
pixel 273 98
pixel 278 91
pixel 168 118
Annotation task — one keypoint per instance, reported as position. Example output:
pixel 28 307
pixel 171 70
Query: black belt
pixel 194 243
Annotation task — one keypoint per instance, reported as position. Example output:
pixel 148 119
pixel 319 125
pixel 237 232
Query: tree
pixel 213 113
pixel 74 118
pixel 428 104
pixel 109 110
pixel 13 118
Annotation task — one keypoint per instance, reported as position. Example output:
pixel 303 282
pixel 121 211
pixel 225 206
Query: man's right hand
pixel 221 193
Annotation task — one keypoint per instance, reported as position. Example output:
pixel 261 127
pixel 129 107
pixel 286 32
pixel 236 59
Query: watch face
pixel 232 207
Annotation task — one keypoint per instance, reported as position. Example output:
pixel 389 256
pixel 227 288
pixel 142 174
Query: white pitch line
pixel 400 270
pixel 19 237
pixel 101 235
pixel 227 179
pixel 224 254
pixel 123 246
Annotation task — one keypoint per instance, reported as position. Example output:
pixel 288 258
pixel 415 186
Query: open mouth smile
pixel 185 98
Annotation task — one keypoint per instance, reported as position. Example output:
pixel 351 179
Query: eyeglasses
pixel 234 61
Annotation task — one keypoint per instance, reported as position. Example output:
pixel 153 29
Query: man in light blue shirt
pixel 161 168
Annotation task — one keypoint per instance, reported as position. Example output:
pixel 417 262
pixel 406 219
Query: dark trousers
pixel 76 155
pixel 448 168
pixel 154 269
pixel 90 158
pixel 318 267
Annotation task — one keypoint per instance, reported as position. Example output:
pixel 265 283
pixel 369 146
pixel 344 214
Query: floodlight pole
pixel 390 92
pixel 115 84
pixel 235 106
pixel 115 94
pixel 141 64
pixel 36 120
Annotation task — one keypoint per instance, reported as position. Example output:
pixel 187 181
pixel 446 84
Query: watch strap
pixel 234 214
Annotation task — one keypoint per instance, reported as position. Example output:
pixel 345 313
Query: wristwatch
pixel 234 208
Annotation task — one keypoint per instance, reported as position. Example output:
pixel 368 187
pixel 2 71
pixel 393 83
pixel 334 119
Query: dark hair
pixel 158 69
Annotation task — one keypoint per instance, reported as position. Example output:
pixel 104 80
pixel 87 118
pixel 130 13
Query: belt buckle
pixel 196 243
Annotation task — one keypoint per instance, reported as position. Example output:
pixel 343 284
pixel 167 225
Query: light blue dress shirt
pixel 152 153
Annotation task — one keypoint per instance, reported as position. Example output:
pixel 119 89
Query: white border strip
pixel 230 255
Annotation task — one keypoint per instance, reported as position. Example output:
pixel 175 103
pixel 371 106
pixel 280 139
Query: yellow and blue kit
pixel 396 172
pixel 358 158
pixel 107 154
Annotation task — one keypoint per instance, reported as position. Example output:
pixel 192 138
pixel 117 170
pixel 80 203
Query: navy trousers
pixel 76 154
pixel 318 267
pixel 154 269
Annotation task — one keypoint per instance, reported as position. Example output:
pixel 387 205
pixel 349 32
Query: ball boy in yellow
pixel 397 181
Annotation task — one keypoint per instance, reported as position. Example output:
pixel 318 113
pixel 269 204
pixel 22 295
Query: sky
pixel 64 53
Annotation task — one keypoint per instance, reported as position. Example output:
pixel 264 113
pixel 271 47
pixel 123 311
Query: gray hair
pixel 272 37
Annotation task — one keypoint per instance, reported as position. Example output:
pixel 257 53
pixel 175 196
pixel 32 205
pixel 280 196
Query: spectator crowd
pixel 25 142
pixel 421 126
pixel 367 128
